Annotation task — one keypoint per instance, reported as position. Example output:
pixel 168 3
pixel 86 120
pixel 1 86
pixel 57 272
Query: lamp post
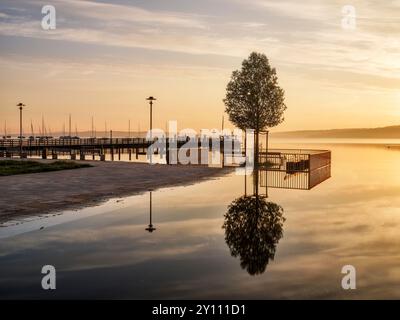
pixel 151 99
pixel 20 106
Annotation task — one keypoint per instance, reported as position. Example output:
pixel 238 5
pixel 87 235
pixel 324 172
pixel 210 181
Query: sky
pixel 105 57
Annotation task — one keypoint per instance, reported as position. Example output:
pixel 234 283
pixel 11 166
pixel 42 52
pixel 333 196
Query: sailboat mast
pixel 42 133
pixel 69 127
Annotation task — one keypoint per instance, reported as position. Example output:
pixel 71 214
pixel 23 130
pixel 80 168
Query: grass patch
pixel 11 167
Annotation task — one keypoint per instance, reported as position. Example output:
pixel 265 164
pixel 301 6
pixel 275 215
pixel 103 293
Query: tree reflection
pixel 253 227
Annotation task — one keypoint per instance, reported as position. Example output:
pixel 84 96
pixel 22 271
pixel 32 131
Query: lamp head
pixel 150 228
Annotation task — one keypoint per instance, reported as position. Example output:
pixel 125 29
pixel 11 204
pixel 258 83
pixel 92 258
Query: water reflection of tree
pixel 253 227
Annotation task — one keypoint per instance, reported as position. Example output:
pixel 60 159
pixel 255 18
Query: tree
pixel 254 99
pixel 253 228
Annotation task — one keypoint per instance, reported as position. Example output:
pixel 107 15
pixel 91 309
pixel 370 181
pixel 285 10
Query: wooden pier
pixel 80 149
pixel 284 168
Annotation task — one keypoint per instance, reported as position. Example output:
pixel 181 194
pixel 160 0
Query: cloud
pixel 304 10
pixel 292 34
pixel 117 12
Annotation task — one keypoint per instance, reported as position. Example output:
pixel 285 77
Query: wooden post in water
pixel 102 154
pixel 167 151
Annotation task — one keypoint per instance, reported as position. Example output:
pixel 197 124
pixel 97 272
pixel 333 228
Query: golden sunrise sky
pixel 106 57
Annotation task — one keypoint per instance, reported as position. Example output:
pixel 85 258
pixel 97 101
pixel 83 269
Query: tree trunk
pixel 256 150
pixel 255 182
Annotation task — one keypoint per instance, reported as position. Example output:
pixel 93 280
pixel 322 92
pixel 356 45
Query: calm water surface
pixel 105 252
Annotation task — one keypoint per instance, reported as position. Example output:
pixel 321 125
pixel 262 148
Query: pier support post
pixel 54 156
pixel 167 151
pixel 102 157
pixel 82 156
pixel 44 154
pixel 73 156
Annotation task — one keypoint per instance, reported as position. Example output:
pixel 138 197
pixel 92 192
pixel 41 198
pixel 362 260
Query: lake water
pixel 105 251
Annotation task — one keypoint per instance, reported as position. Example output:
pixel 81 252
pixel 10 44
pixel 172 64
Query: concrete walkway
pixel 39 193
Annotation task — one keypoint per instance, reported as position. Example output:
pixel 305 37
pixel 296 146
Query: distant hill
pixel 392 132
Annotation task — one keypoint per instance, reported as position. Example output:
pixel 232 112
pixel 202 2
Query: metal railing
pixel 294 169
pixel 11 143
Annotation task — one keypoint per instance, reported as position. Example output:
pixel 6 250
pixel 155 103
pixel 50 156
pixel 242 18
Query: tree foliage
pixel 254 99
pixel 253 227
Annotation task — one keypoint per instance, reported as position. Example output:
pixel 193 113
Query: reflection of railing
pixel 294 169
pixel 320 168
pixel 280 179
pixel 319 175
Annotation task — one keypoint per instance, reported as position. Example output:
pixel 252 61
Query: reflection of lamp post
pixel 150 228
pixel 151 99
pixel 20 105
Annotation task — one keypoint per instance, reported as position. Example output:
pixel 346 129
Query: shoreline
pixel 35 194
